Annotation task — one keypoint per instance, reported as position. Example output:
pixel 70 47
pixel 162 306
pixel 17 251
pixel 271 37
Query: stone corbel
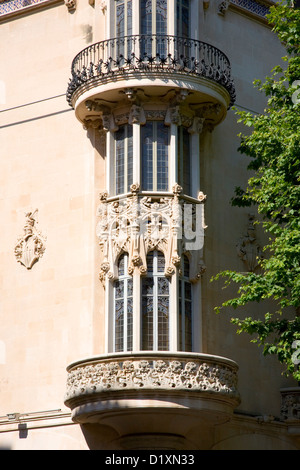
pixel 92 123
pixel 71 5
pixel 197 125
pixel 137 115
pixel 223 7
pixel 173 116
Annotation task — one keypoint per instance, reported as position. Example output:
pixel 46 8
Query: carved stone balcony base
pixel 173 395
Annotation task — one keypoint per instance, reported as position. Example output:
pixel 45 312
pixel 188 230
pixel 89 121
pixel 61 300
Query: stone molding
pixel 189 372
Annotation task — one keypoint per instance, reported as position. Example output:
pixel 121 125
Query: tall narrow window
pixel 184 157
pixel 155 140
pixel 123 159
pixel 123 311
pixel 153 26
pixel 155 305
pixel 123 24
pixel 185 308
pixel 183 18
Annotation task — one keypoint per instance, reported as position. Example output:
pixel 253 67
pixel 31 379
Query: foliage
pixel 274 189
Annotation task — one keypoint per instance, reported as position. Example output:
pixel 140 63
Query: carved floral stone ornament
pixel 155 373
pixel 31 246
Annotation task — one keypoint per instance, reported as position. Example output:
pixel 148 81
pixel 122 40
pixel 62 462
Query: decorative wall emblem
pixel 31 246
pixel 248 249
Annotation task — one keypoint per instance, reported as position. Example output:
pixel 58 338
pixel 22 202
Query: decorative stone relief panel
pixel 139 224
pixel 248 248
pixel 153 373
pixel 290 404
pixel 31 246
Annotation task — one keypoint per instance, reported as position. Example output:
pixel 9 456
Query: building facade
pixel 119 157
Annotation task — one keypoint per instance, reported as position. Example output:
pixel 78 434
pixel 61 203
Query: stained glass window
pixel 185 308
pixel 155 140
pixel 155 305
pixel 123 159
pixel 123 311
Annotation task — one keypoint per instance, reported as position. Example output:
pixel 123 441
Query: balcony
pixel 130 396
pixel 154 63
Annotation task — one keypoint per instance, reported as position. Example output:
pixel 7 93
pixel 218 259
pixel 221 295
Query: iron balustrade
pixel 150 53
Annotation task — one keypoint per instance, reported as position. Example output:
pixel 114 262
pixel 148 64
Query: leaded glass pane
pixel 183 18
pixel 119 324
pixel 129 157
pixel 162 286
pixel 121 266
pixel 129 323
pixel 155 140
pixel 163 323
pixel 147 156
pixel 120 159
pixel 147 286
pixel 124 158
pixel 129 287
pixel 186 266
pixel 147 323
pixel 119 289
pixel 160 262
pixel 123 298
pixel 162 157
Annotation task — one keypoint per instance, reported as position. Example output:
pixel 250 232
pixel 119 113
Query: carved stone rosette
pixel 153 371
pixel 137 224
pixel 31 246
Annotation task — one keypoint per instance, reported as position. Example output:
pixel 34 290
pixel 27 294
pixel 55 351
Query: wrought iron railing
pixel 150 53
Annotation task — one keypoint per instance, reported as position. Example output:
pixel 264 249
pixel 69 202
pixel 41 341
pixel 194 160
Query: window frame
pixel 127 155
pixel 184 281
pixel 126 279
pixel 155 275
pixel 154 144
